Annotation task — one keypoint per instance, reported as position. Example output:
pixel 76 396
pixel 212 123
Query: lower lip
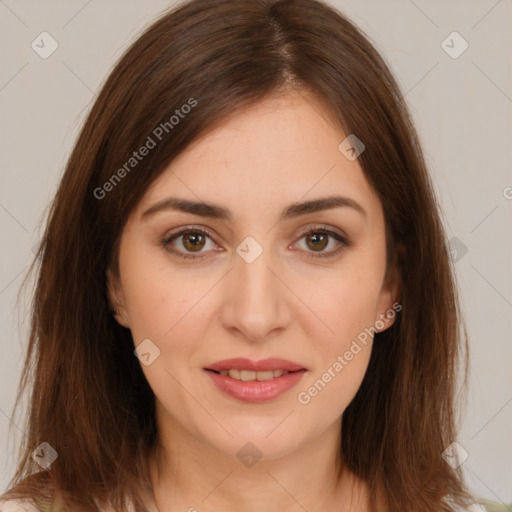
pixel 255 391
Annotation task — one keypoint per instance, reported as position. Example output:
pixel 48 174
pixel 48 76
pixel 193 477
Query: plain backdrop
pixel 461 106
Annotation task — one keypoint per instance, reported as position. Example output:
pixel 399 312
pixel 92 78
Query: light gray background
pixel 462 108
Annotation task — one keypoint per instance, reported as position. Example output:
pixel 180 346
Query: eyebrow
pixel 213 211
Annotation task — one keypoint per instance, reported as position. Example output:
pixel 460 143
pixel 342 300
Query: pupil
pixel 318 237
pixel 193 239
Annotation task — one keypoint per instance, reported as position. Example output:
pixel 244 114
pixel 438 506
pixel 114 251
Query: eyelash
pixel 344 242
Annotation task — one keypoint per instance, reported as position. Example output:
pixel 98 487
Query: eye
pixel 193 239
pixel 318 238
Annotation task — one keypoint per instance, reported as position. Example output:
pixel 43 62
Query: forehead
pixel 279 151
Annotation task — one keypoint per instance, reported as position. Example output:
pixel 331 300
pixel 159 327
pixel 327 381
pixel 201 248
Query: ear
pixel 116 298
pixel 389 300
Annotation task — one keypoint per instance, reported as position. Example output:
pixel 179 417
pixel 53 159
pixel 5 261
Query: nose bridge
pixel 257 304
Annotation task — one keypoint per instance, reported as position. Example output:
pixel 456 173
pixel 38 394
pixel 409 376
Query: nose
pixel 256 305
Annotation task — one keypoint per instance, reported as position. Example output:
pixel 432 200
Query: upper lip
pixel 240 363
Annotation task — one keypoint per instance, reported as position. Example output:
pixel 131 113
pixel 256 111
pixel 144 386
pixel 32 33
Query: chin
pixel 266 439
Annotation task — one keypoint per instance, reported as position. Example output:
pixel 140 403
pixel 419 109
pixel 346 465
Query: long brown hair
pixel 88 396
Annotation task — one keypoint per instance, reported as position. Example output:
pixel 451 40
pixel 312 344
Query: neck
pixel 192 475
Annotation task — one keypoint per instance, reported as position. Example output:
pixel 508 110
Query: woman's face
pixel 256 286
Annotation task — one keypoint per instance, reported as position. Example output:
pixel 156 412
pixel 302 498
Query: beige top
pixel 16 505
pixel 27 506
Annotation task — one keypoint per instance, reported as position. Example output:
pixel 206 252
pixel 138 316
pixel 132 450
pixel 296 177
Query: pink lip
pixel 240 363
pixel 255 391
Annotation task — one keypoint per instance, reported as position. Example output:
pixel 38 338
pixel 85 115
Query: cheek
pixel 342 358
pixel 345 307
pixel 159 298
pixel 350 317
pixel 343 303
pixel 168 306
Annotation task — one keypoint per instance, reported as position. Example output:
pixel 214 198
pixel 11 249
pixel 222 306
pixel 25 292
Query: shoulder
pixel 28 505
pixel 18 506
pixel 475 507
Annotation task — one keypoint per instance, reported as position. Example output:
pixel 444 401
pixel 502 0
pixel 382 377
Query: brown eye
pixel 317 241
pixel 187 242
pixel 193 241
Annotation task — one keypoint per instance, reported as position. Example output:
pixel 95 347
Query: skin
pixel 309 310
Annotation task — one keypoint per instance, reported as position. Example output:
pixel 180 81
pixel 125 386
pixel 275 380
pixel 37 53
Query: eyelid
pixel 342 240
pixel 169 237
pixel 313 228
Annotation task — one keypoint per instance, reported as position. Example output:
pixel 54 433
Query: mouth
pixel 251 375
pixel 255 381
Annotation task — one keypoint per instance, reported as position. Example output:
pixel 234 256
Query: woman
pixel 253 306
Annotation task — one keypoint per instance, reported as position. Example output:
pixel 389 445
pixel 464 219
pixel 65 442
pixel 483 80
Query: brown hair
pixel 88 396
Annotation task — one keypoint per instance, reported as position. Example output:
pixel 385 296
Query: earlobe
pixel 389 304
pixel 387 318
pixel 116 299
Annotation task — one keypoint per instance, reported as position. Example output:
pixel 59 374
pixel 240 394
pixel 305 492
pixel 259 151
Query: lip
pixel 240 363
pixel 255 391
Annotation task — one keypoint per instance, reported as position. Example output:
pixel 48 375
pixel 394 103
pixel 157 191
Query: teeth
pixel 246 374
pixel 269 374
pixel 252 375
